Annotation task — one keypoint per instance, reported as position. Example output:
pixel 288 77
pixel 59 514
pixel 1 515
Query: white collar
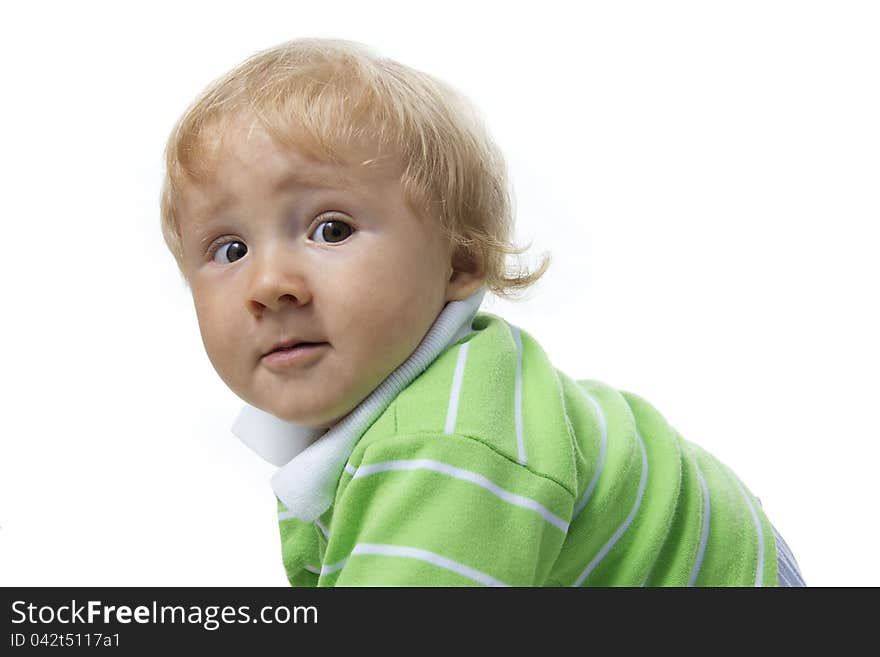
pixel 306 482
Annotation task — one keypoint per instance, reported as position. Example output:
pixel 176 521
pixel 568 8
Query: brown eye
pixel 331 232
pixel 230 252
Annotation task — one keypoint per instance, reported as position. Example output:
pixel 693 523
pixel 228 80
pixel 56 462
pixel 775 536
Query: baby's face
pixel 280 249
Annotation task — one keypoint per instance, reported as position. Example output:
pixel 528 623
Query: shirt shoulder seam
pixel 477 439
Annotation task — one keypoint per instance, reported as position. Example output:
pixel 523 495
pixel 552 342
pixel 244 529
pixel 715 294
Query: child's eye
pixel 332 231
pixel 229 252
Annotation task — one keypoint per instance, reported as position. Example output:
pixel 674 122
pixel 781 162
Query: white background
pixel 705 175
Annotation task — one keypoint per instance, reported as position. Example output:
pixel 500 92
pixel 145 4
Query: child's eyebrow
pixel 203 228
pixel 211 210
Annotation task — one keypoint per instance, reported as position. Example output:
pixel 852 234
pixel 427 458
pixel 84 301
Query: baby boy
pixel 338 217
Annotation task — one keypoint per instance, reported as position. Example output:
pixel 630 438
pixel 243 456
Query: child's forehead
pixel 290 158
pixel 281 166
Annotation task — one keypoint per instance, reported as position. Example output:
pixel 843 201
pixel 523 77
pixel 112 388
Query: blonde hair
pixel 325 95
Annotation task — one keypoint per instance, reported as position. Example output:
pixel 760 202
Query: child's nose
pixel 275 284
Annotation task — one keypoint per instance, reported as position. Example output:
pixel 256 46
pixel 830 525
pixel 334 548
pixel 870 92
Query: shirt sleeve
pixel 443 510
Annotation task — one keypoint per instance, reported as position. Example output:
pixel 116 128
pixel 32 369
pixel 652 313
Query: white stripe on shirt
pixel 332 568
pixel 465 475
pixel 759 571
pixel 603 441
pixel 322 528
pixel 427 557
pixel 517 396
pixel 626 523
pixel 704 533
pixel 455 392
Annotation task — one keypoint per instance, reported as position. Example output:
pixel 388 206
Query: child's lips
pixel 300 354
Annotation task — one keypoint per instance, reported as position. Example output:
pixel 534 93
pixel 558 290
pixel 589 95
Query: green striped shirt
pixel 494 468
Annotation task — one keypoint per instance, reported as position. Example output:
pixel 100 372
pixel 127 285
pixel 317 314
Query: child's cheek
pixel 218 331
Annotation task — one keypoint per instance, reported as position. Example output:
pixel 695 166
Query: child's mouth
pixel 297 354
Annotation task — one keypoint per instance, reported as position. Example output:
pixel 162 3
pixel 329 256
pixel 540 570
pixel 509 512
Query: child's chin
pixel 313 411
pixel 311 421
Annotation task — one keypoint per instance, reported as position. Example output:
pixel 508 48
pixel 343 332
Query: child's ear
pixel 468 274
